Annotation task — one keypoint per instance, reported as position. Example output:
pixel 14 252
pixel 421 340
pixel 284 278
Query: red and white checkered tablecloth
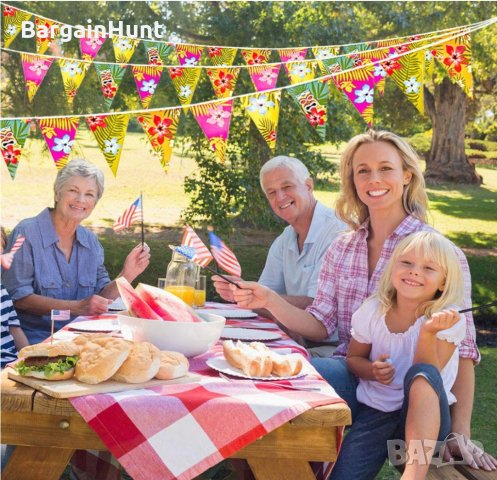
pixel 179 431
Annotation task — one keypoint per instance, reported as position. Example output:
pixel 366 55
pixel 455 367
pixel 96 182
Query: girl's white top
pixel 368 326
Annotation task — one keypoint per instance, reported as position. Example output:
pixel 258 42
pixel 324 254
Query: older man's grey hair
pixel 293 164
pixel 79 167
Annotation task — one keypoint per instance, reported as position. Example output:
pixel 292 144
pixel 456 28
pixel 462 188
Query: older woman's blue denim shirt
pixel 41 268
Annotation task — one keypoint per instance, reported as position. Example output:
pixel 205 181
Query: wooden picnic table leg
pixel 280 469
pixel 37 463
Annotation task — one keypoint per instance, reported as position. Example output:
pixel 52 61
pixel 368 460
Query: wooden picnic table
pixel 48 430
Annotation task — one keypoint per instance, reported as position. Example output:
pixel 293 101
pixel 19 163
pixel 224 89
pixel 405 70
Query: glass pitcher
pixel 181 276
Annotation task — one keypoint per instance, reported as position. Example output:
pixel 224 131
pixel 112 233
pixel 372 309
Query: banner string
pixel 286 87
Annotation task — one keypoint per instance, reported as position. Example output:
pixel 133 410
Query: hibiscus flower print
pixel 428 55
pixel 223 81
pixel 11 154
pixel 412 85
pixel 8 11
pixel 272 136
pixel 296 56
pixel 93 42
pixel 317 116
pixel 122 44
pixel 63 144
pixel 11 30
pixel 391 64
pixel 112 146
pixel 95 122
pixel 214 52
pixel 185 91
pixel 175 72
pixel 455 57
pixel 109 91
pixel 72 68
pixel 267 76
pixel 365 94
pixel 38 66
pixel 255 59
pixel 379 71
pixel 260 104
pixel 160 129
pixel 149 86
pixel 300 70
pixel 190 62
pixel 323 53
pixel 218 116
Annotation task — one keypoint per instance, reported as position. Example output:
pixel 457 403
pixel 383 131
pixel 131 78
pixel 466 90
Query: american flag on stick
pixel 202 255
pixel 60 314
pixel 131 215
pixel 224 256
pixel 7 258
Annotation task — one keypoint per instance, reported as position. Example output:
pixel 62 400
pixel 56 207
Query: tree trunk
pixel 447 161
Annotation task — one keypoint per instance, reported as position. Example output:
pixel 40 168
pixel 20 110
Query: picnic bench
pixel 459 472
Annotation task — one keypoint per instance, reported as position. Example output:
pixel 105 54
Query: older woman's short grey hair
pixel 80 168
pixel 293 164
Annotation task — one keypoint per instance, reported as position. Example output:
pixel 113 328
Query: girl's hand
pixel 136 262
pixel 383 370
pixel 441 321
pixel 250 295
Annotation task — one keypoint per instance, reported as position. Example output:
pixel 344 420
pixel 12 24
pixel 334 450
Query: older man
pixel 294 259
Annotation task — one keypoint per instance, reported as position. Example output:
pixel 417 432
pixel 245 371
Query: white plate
pixel 221 365
pixel 246 334
pixel 104 326
pixel 230 312
pixel 117 305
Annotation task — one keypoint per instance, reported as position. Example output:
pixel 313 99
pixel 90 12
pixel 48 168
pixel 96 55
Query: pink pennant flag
pixel 146 78
pixel 90 45
pixel 59 134
pixel 264 77
pixel 7 258
pixel 35 69
pixel 214 120
pixel 292 55
pixel 189 55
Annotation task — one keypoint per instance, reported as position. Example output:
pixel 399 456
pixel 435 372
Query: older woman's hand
pixel 93 305
pixel 136 262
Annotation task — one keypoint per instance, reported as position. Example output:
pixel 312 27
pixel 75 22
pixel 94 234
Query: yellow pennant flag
pixel 73 72
pixel 124 48
pixel 12 23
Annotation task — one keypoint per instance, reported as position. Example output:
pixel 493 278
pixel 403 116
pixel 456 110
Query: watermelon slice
pixel 135 305
pixel 168 306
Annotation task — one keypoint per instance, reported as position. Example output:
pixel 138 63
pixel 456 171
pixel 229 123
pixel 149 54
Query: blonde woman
pixel 383 199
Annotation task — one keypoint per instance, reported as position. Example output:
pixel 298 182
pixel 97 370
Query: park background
pixel 201 191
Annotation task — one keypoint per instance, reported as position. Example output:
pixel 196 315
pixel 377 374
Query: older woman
pixel 61 264
pixel 383 199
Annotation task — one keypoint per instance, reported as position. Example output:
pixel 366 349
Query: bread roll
pixel 283 365
pixel 81 339
pixel 56 376
pixel 100 358
pixel 232 353
pixel 66 349
pixel 172 365
pixel 141 365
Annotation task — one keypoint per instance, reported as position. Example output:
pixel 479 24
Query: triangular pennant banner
pixel 46 31
pixel 59 134
pixel 255 56
pixel 312 98
pixel 110 75
pixel 90 46
pixel 214 120
pixel 109 131
pixel 292 55
pixel 222 56
pixel 410 77
pixel 146 79
pixel 13 134
pixel 73 72
pixel 324 53
pixel 223 80
pixel 185 81
pixel 124 48
pixel 35 69
pixel 189 55
pixel 264 109
pixel 12 23
pixel 455 56
pixel 160 128
pixel 157 52
pixel 264 77
pixel 299 72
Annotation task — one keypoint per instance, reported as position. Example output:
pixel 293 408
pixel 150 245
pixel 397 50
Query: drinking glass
pixel 200 291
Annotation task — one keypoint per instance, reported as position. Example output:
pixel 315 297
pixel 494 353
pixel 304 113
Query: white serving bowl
pixel 188 338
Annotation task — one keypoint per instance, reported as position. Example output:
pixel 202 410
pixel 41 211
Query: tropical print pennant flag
pixel 35 69
pixel 59 134
pixel 223 80
pixel 299 72
pixel 185 81
pixel 264 77
pixel 46 31
pixel 160 128
pixel 146 79
pixel 255 56
pixel 109 131
pixel 222 56
pixel 90 45
pixel 214 120
pixel 312 98
pixel 13 134
pixel 12 22
pixel 189 55
pixel 292 55
pixel 124 48
pixel 157 52
pixel 110 75
pixel 73 72
pixel 324 53
pixel 455 56
pixel 410 77
pixel 264 109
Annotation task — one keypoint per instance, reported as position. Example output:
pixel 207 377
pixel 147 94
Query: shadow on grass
pixel 473 240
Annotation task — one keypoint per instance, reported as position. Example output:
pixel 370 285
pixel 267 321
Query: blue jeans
pixel 336 373
pixel 364 449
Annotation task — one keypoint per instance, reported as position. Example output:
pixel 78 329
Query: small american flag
pixel 202 256
pixel 60 314
pixel 131 215
pixel 7 258
pixel 224 256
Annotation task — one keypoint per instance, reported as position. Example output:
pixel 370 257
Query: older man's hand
pixel 251 294
pixel 223 287
pixel 136 262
